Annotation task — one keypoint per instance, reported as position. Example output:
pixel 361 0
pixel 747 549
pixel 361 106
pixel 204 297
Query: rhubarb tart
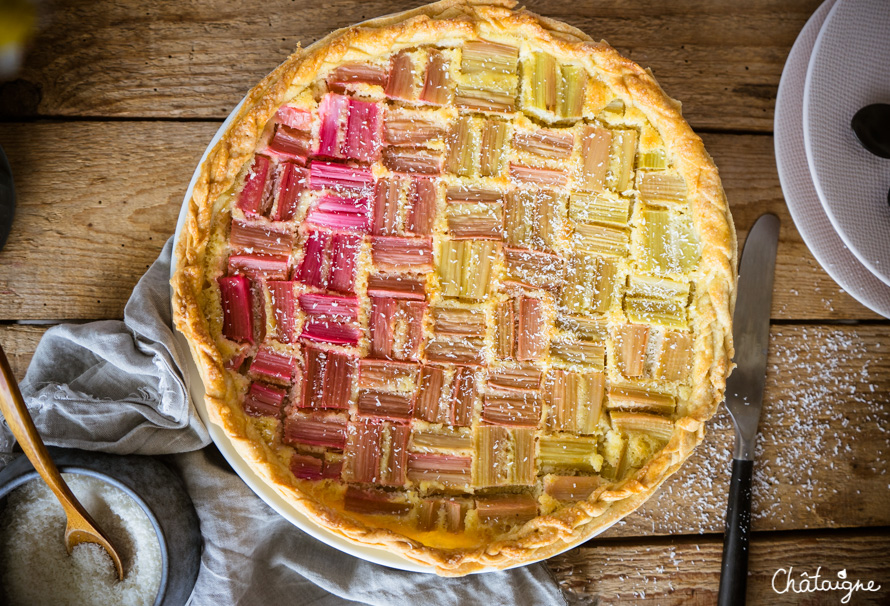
pixel 459 283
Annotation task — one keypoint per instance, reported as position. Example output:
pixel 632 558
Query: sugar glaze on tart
pixel 459 282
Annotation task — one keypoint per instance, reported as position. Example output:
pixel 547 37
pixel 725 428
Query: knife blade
pixel 744 397
pixel 750 333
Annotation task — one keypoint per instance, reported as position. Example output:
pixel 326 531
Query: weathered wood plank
pixel 19 343
pixel 823 447
pixel 687 570
pixel 823 456
pixel 722 59
pixel 803 290
pixel 97 205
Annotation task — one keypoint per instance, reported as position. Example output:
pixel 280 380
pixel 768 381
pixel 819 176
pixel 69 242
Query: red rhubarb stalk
pixel 237 312
pixel 402 254
pixel 312 269
pixel 363 450
pixel 315 304
pixel 463 396
pixel 263 400
pixel 381 404
pixel 356 222
pixel 338 380
pixel 426 406
pixel 332 111
pixel 435 85
pixel 333 203
pixel 344 250
pixel 413 310
pixel 401 77
pixel 339 176
pixel 332 331
pixel 260 239
pixel 396 463
pixel 363 131
pixel 252 197
pixel 306 467
pixel 349 75
pixel 273 365
pixel 339 212
pixel 295 117
pixel 291 180
pixel 283 308
pixel 373 502
pixel 522 506
pixel 531 339
pixel 382 311
pixel 397 287
pixel 422 205
pixel 269 267
pixel 290 143
pixel 329 376
pixel 448 469
pixel 315 430
pixel 386 207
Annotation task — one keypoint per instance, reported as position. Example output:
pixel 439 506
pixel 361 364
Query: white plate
pixel 849 69
pixel 377 555
pixel 797 183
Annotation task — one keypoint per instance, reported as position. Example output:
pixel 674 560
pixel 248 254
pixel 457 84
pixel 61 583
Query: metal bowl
pixel 155 488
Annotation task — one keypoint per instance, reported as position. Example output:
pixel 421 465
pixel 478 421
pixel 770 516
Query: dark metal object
pixel 744 397
pixel 7 198
pixel 155 488
pixel 872 126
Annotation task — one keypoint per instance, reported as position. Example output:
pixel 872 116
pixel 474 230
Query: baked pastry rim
pixel 713 301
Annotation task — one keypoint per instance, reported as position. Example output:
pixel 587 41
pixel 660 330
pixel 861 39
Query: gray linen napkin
pixel 117 387
pixel 252 555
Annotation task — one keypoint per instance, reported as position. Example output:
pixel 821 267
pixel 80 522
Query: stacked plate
pixel 837 192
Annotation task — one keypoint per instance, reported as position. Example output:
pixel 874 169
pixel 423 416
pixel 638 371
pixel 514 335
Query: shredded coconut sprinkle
pixel 36 569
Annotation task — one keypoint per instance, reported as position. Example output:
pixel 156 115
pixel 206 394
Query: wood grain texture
pixel 722 59
pixel 823 450
pixel 19 343
pixel 97 205
pixel 803 290
pixel 686 571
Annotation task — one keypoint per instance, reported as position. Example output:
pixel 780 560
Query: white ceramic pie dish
pixel 376 555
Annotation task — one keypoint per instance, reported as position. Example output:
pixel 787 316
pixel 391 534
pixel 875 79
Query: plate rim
pixel 834 256
pixel 851 242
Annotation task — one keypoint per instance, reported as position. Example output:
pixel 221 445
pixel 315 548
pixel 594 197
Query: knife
pixel 744 397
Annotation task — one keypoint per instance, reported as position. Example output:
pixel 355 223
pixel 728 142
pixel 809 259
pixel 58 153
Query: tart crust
pixel 711 307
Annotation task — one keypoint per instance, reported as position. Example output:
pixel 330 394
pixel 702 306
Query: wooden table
pixel 117 101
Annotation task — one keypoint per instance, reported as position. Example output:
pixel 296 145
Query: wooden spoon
pixel 81 528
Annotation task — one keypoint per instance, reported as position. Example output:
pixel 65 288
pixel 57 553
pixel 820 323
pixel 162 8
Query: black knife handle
pixel 734 570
